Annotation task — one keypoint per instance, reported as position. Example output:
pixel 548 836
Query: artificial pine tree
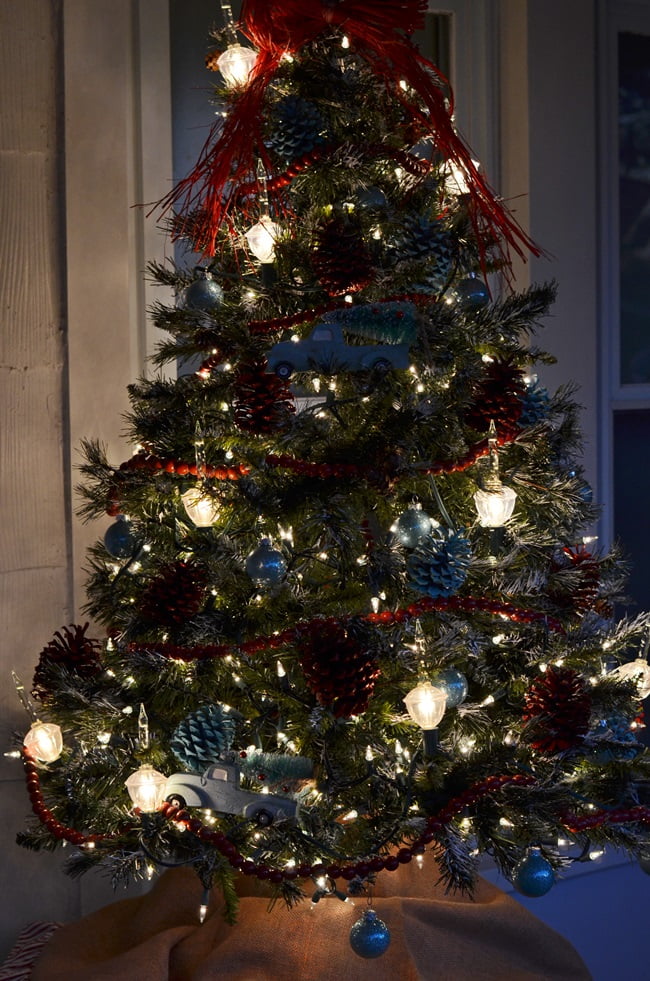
pixel 302 556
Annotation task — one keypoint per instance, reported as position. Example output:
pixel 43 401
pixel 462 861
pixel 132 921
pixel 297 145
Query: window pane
pixel 634 205
pixel 631 497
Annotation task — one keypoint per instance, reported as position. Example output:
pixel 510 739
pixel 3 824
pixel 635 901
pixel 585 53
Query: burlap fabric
pixel 447 938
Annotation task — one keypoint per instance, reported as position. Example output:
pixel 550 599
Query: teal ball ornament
pixel 472 293
pixel 533 876
pixel 266 565
pixel 412 526
pixel 202 294
pixel 119 540
pixel 454 684
pixel 369 936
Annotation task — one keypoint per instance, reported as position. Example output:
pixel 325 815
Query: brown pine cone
pixel 339 672
pixel 175 595
pixel 557 707
pixel 341 259
pixel 498 396
pixel 71 649
pixel 264 403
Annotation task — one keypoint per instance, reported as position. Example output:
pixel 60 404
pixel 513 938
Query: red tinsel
pixel 379 35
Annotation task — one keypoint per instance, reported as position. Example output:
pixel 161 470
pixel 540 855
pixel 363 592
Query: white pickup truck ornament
pixel 218 788
pixel 325 349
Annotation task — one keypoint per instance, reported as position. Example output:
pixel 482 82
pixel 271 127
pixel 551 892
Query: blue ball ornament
pixel 266 565
pixel 413 526
pixel 369 936
pixel 533 876
pixel 453 683
pixel 472 293
pixel 119 540
pixel 371 199
pixel 203 294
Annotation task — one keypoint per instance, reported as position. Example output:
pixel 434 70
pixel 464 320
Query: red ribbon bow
pixel 379 30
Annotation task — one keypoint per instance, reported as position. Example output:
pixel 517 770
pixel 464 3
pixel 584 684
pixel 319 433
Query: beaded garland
pixel 256 645
pixel 377 863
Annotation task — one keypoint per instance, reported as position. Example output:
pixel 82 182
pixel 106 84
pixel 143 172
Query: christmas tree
pixel 352 617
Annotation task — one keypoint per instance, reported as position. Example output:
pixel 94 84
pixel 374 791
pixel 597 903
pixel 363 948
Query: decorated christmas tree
pixel 352 616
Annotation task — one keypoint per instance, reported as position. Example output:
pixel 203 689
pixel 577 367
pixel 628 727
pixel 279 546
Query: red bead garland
pixel 461 604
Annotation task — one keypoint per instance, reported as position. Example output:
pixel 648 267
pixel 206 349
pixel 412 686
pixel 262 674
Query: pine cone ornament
pixel 614 739
pixel 71 649
pixel 535 406
pixel 583 593
pixel 439 564
pixel 175 595
pixel 298 129
pixel 498 396
pixel 557 707
pixel 421 238
pixel 203 737
pixel 264 403
pixel 341 259
pixel 337 668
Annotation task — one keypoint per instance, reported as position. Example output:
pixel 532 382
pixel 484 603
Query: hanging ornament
pixel 454 684
pixel 203 737
pixel 262 238
pixel 369 936
pixel 582 592
pixel 637 671
pixel 44 742
pixel 534 875
pixel 145 787
pixel 71 650
pixel 494 502
pixel 338 668
pixel 557 708
pixel 202 294
pixel 119 540
pixel 426 706
pixel 423 239
pixel 174 595
pixel 264 403
pixel 472 293
pixel 614 739
pixel 535 404
pixel 413 526
pixel 341 259
pixel 497 397
pixel 298 128
pixel 202 508
pixel 371 199
pixel 438 566
pixel 393 322
pixel 266 565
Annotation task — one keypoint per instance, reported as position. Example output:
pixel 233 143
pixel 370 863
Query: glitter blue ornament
pixel 454 684
pixel 119 540
pixel 203 294
pixel 472 293
pixel 266 565
pixel 412 526
pixel 533 876
pixel 369 936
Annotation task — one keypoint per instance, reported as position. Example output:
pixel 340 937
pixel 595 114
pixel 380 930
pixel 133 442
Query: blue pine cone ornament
pixel 423 238
pixel 535 405
pixel 299 128
pixel 203 737
pixel 439 565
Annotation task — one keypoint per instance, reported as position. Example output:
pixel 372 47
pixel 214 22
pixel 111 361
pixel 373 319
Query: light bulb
pixel 146 788
pixel 44 742
pixel 261 239
pixel 426 705
pixel 495 507
pixel 201 508
pixel 637 671
pixel 236 64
